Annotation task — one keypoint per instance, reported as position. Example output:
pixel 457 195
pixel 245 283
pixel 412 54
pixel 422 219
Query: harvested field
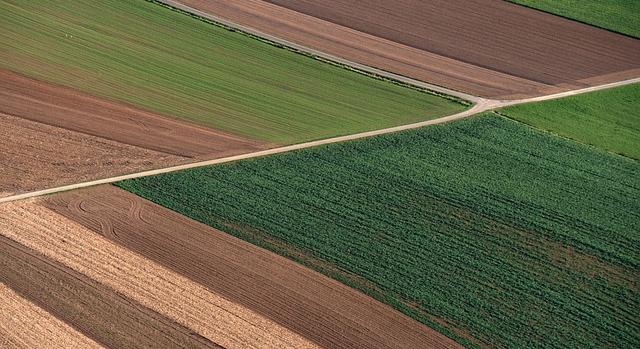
pixel 465 45
pixel 96 311
pixel 25 325
pixel 37 156
pixel 492 231
pixel 223 290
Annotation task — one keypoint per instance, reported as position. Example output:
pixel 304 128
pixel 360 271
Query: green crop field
pixel 494 232
pixel 609 119
pixel 617 15
pixel 169 62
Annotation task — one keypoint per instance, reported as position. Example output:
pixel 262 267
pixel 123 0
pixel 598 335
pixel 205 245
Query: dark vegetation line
pixel 574 19
pixel 321 59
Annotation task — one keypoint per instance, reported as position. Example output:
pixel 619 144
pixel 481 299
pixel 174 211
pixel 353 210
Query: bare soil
pixel 318 308
pixel 37 156
pixel 142 281
pixel 77 111
pixel 52 135
pixel 489 48
pixel 25 325
pixel 96 311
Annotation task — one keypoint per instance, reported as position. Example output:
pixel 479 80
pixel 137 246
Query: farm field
pixel 37 156
pixel 127 273
pixel 52 135
pixel 167 62
pixel 493 232
pixel 74 110
pixel 617 15
pixel 608 119
pixel 477 52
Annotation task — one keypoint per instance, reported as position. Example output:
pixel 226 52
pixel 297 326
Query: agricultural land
pixel 464 45
pixel 486 228
pixel 617 15
pixel 164 61
pixel 195 91
pixel 319 174
pixel 608 119
pixel 125 272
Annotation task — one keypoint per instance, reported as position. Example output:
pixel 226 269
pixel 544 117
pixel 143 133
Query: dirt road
pixel 482 105
pixel 52 135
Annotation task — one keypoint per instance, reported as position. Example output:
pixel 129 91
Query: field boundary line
pixel 474 110
pixel 481 106
pixel 323 56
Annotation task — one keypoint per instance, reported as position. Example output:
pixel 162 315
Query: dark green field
pixel 617 15
pixel 493 232
pixel 169 62
pixel 609 119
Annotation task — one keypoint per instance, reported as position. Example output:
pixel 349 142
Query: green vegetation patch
pixel 169 62
pixel 609 119
pixel 491 231
pixel 616 15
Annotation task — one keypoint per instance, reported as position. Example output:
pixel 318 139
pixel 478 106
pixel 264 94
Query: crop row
pixel 486 229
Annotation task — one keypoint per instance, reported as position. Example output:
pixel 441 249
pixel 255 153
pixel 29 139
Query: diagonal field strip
pixel 480 106
pixel 320 54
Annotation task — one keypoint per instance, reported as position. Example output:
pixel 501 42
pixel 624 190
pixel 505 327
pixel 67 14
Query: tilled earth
pixel 52 135
pixel 484 47
pixel 124 272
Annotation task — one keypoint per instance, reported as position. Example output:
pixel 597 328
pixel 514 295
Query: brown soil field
pixel 52 135
pixel 467 45
pixel 37 156
pixel 143 283
pixel 95 310
pixel 223 289
pixel 77 111
pixel 25 325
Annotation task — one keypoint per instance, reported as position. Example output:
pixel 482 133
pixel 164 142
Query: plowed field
pixel 71 109
pixel 38 156
pixel 51 135
pixel 127 273
pixel 466 45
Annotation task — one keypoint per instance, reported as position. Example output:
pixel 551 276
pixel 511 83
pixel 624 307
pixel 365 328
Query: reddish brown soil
pixel 38 156
pixel 485 47
pixel 96 311
pixel 52 135
pixel 74 110
pixel 144 284
pixel 308 303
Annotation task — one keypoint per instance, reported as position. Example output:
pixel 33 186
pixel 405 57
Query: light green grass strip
pixel 617 15
pixel 169 62
pixel 609 119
